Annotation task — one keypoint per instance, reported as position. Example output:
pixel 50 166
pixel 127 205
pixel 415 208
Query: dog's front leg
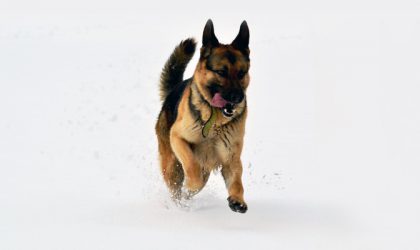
pixel 232 174
pixel 193 174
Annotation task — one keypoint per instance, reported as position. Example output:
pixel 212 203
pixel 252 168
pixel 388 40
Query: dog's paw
pixel 188 194
pixel 237 206
pixel 176 194
pixel 194 185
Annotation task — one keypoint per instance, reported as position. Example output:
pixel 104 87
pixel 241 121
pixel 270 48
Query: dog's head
pixel 222 71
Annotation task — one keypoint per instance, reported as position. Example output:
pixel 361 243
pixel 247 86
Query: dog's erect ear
pixel 209 38
pixel 242 39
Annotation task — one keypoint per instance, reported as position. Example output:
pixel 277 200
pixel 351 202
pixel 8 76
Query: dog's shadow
pixel 269 215
pixel 263 215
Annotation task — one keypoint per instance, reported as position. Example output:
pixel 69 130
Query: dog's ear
pixel 241 41
pixel 209 38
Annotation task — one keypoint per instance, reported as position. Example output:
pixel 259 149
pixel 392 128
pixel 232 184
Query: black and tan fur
pixel 187 157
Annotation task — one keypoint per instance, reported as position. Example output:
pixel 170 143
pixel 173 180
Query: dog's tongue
pixel 218 101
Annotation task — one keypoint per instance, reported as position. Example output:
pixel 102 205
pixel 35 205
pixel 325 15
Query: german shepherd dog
pixel 202 121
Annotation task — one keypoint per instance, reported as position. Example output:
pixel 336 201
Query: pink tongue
pixel 218 101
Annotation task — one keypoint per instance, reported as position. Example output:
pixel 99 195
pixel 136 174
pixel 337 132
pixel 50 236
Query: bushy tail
pixel 173 71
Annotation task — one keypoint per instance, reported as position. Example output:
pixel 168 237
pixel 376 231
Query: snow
pixel 331 158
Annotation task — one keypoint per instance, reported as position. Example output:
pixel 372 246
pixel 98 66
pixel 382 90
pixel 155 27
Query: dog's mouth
pixel 228 108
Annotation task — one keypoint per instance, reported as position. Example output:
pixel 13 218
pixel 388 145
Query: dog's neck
pixel 198 104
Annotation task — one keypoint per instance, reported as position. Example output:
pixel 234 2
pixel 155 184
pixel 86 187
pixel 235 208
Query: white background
pixel 332 145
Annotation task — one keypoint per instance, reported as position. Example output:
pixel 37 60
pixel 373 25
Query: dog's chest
pixel 214 150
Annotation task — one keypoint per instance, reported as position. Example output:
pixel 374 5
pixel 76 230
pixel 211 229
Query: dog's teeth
pixel 228 112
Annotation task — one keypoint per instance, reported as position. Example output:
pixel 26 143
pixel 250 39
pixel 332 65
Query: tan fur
pixel 185 154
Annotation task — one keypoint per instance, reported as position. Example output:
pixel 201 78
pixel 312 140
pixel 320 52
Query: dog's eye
pixel 222 73
pixel 241 74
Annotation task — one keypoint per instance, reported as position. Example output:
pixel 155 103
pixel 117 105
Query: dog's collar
pixel 209 123
pixel 212 119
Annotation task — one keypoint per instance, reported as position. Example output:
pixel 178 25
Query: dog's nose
pixel 235 96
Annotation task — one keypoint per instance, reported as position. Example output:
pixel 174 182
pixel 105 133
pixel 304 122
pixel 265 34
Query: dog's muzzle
pixel 228 110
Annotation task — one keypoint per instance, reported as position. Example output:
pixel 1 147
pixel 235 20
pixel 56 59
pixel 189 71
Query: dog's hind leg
pixel 171 169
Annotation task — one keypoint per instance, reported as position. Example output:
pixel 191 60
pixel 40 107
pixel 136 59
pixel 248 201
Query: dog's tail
pixel 173 71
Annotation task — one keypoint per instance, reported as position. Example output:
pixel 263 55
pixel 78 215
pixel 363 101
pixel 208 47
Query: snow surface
pixel 332 144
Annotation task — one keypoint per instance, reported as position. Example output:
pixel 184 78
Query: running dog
pixel 201 125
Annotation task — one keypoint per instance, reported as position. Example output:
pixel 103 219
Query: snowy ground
pixel 332 145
